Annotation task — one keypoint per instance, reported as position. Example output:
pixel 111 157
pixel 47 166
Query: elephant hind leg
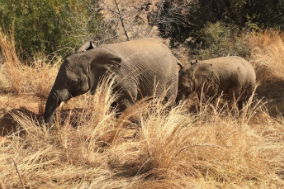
pixel 243 102
pixel 247 94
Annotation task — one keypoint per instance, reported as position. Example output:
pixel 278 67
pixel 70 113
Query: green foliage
pixel 221 40
pixel 50 25
pixel 267 13
pixel 181 20
pixel 81 20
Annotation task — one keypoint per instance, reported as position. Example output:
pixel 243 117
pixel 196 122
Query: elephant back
pixel 149 64
pixel 233 75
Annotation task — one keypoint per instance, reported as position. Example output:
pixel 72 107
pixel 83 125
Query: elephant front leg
pixel 124 102
pixel 126 99
pixel 240 105
pixel 127 111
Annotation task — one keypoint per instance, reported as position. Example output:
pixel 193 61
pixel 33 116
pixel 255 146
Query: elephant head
pixel 78 74
pixel 192 77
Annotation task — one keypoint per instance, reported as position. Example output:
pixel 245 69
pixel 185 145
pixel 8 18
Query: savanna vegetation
pixel 88 147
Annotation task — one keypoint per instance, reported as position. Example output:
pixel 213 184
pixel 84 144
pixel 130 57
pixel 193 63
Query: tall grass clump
pixel 267 58
pixel 23 78
pixel 267 54
pixel 179 150
pixel 66 155
pixel 172 148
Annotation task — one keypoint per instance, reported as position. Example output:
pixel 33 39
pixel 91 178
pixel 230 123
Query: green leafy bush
pixel 180 20
pixel 219 40
pixel 48 25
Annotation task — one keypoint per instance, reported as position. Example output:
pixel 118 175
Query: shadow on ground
pixel 9 123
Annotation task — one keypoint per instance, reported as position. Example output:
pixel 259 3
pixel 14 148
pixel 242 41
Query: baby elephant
pixel 232 76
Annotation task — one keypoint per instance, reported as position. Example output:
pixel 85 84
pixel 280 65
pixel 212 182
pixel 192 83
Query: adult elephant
pixel 232 76
pixel 142 68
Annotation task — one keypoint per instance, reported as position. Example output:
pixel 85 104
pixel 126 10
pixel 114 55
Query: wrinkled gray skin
pixel 232 76
pixel 141 67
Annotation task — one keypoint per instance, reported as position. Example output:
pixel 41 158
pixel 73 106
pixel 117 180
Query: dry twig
pixel 121 20
pixel 19 174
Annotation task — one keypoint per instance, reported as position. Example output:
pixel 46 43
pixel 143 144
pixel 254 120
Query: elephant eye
pixel 70 82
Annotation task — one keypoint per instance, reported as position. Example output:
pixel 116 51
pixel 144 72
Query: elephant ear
pixel 86 46
pixel 202 75
pixel 104 62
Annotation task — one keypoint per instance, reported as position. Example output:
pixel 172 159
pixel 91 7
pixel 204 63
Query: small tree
pixel 48 25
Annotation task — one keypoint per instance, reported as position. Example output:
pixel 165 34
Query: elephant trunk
pixel 53 101
pixel 51 104
pixel 179 97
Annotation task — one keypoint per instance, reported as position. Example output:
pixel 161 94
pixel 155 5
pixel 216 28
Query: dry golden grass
pixel 20 78
pixel 174 149
pixel 267 57
pixel 89 148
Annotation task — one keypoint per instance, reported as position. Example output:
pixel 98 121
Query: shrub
pixel 49 25
pixel 180 20
pixel 220 40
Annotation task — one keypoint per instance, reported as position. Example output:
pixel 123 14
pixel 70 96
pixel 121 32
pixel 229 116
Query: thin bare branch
pixel 23 186
pixel 121 20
